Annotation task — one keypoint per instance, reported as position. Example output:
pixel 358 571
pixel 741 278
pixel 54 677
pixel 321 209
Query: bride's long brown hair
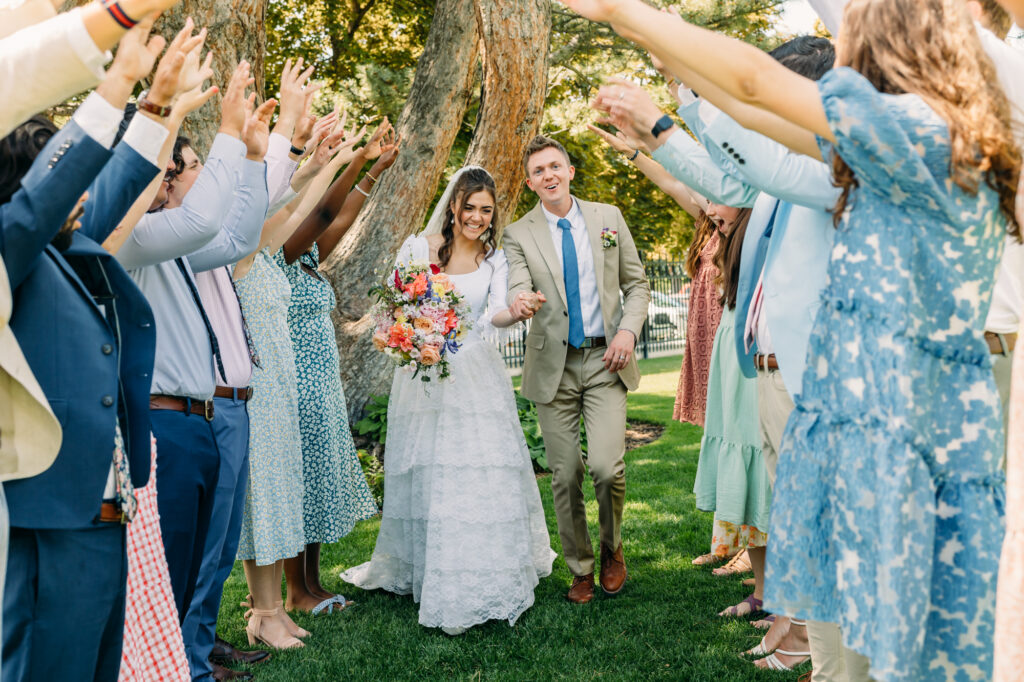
pixel 930 48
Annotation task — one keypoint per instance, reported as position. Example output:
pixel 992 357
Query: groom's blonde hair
pixel 541 143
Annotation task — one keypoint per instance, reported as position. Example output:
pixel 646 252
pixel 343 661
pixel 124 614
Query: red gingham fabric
pixel 153 649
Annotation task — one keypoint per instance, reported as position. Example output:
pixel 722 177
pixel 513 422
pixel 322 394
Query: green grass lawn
pixel 663 625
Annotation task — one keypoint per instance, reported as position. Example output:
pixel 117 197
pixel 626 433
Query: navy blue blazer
pixel 69 343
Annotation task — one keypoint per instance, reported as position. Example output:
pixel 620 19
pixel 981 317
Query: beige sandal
pixel 739 564
pixel 293 629
pixel 707 559
pixel 254 631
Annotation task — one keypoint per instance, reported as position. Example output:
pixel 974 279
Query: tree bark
pixel 514 51
pixel 236 30
pixel 429 123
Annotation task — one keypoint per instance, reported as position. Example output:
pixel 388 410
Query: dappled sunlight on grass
pixel 662 626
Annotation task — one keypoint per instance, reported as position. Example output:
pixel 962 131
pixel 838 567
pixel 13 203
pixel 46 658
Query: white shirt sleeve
pixel 1009 62
pixel 280 167
pixel 145 136
pixel 43 65
pixel 99 119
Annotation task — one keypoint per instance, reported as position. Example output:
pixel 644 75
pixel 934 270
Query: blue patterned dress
pixel 336 493
pixel 272 518
pixel 888 505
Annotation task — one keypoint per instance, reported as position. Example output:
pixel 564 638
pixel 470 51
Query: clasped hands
pixel 526 304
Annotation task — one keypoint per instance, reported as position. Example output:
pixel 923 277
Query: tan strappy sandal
pixel 254 631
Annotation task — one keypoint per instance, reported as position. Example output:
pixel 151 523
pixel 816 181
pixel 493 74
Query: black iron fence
pixel 665 329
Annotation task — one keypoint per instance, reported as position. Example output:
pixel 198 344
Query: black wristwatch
pixel 662 124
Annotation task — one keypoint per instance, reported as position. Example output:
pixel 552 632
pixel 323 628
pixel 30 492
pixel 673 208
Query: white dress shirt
pixel 590 299
pixel 280 169
pixel 44 64
pixel 1008 294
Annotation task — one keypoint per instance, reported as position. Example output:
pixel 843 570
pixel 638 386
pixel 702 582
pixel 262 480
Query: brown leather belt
pixel 765 362
pixel 111 513
pixel 995 346
pixel 204 408
pixel 243 394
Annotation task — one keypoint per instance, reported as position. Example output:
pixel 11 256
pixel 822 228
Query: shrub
pixel 374 472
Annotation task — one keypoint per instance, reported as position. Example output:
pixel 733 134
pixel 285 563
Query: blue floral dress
pixel 272 518
pixel 336 493
pixel 888 505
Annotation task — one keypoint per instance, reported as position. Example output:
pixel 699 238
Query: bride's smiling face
pixel 475 214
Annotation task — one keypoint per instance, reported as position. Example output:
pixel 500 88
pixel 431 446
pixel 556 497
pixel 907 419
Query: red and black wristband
pixel 117 13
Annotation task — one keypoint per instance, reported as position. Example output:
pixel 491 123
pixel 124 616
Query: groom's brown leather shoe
pixel 613 570
pixel 582 589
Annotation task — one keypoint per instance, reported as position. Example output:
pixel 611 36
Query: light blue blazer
pixel 795 259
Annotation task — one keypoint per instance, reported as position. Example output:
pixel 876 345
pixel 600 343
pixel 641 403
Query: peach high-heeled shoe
pixel 254 631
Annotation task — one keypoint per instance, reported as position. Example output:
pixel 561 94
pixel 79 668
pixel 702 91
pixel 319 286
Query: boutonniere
pixel 609 238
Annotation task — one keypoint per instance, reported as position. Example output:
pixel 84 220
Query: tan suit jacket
pixel 534 265
pixel 30 435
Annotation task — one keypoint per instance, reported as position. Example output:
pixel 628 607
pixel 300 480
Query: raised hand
pixel 295 95
pixel 188 102
pixel 233 106
pixel 595 10
pixel 137 52
pixel 375 146
pixel 167 79
pixel 311 131
pixel 195 70
pixel 629 108
pixel 389 145
pixel 256 132
pixel 616 142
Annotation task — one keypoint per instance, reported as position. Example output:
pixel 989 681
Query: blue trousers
pixel 187 467
pixel 64 604
pixel 231 430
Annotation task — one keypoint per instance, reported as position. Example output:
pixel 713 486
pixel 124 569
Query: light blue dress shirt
pixel 184 362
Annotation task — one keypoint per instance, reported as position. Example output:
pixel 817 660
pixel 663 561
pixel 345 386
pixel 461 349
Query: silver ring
pixel 622 95
pixel 622 357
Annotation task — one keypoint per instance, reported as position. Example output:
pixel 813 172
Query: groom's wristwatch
pixel 662 124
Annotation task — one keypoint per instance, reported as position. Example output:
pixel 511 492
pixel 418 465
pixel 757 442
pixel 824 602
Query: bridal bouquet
pixel 420 319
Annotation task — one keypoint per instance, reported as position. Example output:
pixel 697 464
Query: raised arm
pixel 241 230
pixel 328 207
pixel 327 242
pixel 691 201
pixel 741 71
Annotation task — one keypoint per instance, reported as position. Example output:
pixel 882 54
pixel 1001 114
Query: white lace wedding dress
pixel 463 528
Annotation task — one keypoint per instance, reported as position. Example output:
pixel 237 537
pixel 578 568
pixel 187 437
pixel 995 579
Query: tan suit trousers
pixel 832 661
pixel 586 389
pixel 774 406
pixel 1002 369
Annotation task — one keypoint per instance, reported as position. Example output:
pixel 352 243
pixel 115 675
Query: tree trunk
pixel 235 31
pixel 429 123
pixel 514 50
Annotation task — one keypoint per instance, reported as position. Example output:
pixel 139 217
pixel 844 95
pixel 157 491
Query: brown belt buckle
pixel 208 410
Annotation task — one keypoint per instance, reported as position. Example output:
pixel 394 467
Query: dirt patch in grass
pixel 639 434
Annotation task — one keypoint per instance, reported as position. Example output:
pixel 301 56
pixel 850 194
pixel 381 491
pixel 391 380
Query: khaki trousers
pixel 832 661
pixel 774 406
pixel 587 389
pixel 1002 369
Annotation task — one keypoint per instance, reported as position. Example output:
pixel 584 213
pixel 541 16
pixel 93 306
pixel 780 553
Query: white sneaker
pixel 453 631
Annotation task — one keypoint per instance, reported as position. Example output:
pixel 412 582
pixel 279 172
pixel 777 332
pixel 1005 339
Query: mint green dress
pixel 732 480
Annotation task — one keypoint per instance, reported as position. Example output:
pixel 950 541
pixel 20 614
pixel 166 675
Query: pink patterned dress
pixel 153 647
pixel 701 324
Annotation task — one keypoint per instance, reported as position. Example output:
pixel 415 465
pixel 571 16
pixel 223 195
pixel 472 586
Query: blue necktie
pixel 571 273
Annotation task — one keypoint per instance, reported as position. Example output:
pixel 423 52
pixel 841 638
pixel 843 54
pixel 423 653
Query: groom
pixel 579 352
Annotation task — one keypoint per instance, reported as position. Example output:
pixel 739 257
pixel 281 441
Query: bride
pixel 463 529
